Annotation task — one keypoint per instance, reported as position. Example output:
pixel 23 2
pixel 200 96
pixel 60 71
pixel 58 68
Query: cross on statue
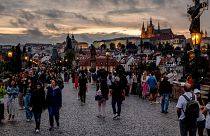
pixel 195 13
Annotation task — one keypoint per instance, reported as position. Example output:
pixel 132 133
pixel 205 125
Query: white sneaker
pixel 28 120
pixel 37 130
pixel 115 116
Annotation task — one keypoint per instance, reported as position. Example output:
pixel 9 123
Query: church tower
pixel 68 43
pixel 143 32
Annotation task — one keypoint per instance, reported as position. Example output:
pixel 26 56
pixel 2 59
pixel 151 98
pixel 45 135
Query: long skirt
pixel 12 106
pixel 144 89
pixel 134 88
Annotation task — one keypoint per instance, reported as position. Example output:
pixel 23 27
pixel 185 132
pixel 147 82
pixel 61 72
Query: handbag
pixel 2 101
pixel 98 95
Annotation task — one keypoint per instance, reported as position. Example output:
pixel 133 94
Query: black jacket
pixel 104 89
pixel 37 101
pixel 165 87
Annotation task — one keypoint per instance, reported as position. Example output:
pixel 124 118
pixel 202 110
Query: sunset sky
pixel 48 21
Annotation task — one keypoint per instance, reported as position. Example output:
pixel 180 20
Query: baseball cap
pixel 196 91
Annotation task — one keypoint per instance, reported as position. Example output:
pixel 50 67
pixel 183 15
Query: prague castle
pixel 151 32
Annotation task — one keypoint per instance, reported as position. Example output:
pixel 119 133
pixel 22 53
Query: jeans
pixel 27 99
pixel 165 102
pixel 20 99
pixel 119 102
pixel 53 112
pixel 37 117
pixel 186 127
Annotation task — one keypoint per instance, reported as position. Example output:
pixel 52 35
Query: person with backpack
pixel 188 112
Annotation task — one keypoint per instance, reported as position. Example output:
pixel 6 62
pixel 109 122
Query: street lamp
pixel 196 39
pixel 107 59
pixel 10 54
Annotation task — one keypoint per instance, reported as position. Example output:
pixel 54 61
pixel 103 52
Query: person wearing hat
pixel 117 97
pixel 201 119
pixel 37 104
pixel 186 127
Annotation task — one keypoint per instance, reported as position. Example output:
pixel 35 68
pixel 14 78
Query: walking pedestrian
pixel 144 84
pixel 54 103
pixel 21 85
pixel 207 110
pixel 201 119
pixel 152 82
pixel 117 93
pixel 27 98
pixel 104 92
pixel 134 85
pixel 76 80
pixel 186 124
pixel 82 86
pixel 12 103
pixel 165 90
pixel 37 104
pixel 2 93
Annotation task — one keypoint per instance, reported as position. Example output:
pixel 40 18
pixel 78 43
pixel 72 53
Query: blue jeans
pixel 165 102
pixel 27 99
pixel 53 112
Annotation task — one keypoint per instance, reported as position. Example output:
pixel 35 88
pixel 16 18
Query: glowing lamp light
pixel 196 38
pixel 26 58
pixel 10 54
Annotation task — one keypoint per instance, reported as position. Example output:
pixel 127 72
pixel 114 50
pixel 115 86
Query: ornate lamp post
pixel 107 59
pixel 195 12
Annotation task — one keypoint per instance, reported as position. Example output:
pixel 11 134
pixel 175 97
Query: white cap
pixel 196 91
pixel 117 78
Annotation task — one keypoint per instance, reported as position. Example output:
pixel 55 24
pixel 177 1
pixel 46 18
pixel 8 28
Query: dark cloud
pixel 51 13
pixel 129 11
pixel 101 3
pixel 77 28
pixel 2 8
pixel 51 26
pixel 34 32
pixel 27 15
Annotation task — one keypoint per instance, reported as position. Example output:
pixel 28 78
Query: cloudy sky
pixel 49 21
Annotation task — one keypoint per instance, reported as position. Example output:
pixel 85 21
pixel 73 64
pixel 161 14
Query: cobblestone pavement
pixel 138 118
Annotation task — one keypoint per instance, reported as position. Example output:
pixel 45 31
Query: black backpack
pixel 192 108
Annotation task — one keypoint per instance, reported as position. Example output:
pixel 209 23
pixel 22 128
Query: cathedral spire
pixel 206 33
pixel 150 21
pixel 143 28
pixel 158 26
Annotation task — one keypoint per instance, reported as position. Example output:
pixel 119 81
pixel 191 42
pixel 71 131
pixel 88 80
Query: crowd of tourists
pixel 36 90
pixel 33 91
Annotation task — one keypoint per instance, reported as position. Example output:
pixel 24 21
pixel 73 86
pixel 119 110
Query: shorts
pixel 201 124
pixel 153 90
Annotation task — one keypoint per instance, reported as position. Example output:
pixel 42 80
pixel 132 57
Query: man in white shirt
pixel 185 126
